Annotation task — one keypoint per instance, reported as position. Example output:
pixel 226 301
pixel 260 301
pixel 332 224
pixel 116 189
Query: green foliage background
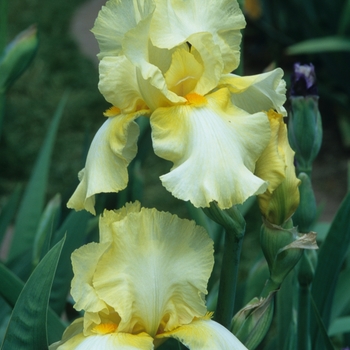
pixel 58 66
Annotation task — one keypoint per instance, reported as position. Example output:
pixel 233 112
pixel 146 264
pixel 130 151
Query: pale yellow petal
pixel 84 261
pixel 184 72
pixel 138 49
pixel 118 84
pixel 115 20
pixel 111 216
pixel 203 334
pixel 257 93
pixel 155 275
pixel 112 149
pixel 271 165
pixel 75 328
pixel 276 166
pixel 110 341
pixel 222 19
pixel 214 148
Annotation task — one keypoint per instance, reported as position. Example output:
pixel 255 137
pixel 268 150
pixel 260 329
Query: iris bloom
pixel 144 282
pixel 170 60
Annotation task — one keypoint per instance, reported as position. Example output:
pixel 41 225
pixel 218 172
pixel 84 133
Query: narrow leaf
pixel 33 202
pixel 319 45
pixel 75 229
pixel 9 210
pixel 330 259
pixel 326 341
pixel 11 287
pixel 339 326
pixel 45 228
pixel 27 326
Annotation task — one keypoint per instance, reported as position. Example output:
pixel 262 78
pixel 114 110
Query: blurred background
pixel 278 33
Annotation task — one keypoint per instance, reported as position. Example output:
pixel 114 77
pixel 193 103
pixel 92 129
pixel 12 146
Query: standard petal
pixel 204 334
pixel 112 149
pixel 214 148
pixel 257 93
pixel 184 72
pixel 156 274
pixel 118 84
pixel 138 49
pixel 115 20
pixel 222 19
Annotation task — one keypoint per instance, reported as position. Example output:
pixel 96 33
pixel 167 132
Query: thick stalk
pixel 228 278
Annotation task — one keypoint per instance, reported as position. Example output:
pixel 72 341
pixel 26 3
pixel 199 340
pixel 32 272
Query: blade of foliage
pixel 27 326
pixel 3 24
pixel 33 201
pixel 340 325
pixel 341 303
pixel 330 259
pixel 46 226
pixel 326 341
pixel 11 287
pixel 75 226
pixel 9 210
pixel 344 21
pixel 325 44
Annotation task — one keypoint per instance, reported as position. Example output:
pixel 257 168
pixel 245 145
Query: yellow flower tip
pixel 112 112
pixel 273 115
pixel 195 99
pixel 105 328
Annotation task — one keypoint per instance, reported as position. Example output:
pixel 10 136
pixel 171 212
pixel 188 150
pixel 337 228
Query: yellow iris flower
pixel 145 281
pixel 170 60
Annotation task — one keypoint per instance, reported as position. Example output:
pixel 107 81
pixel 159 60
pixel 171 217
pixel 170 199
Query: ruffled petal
pixel 156 273
pixel 118 84
pixel 204 334
pixel 112 149
pixel 138 49
pixel 214 148
pixel 222 19
pixel 257 93
pixel 110 341
pixel 84 261
pixel 114 20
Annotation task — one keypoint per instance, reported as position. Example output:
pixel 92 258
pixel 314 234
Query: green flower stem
pixel 270 286
pixel 234 224
pixel 228 278
pixel 303 323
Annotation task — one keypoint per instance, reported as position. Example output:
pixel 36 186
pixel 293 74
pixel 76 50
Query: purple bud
pixel 303 80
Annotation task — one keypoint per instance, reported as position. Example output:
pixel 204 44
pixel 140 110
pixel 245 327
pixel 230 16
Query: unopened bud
pixel 17 56
pixel 283 248
pixel 305 124
pixel 251 323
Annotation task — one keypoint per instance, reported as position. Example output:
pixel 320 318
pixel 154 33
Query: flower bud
pixel 275 166
pixel 251 323
pixel 231 219
pixel 305 124
pixel 17 56
pixel 283 248
pixel 305 215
